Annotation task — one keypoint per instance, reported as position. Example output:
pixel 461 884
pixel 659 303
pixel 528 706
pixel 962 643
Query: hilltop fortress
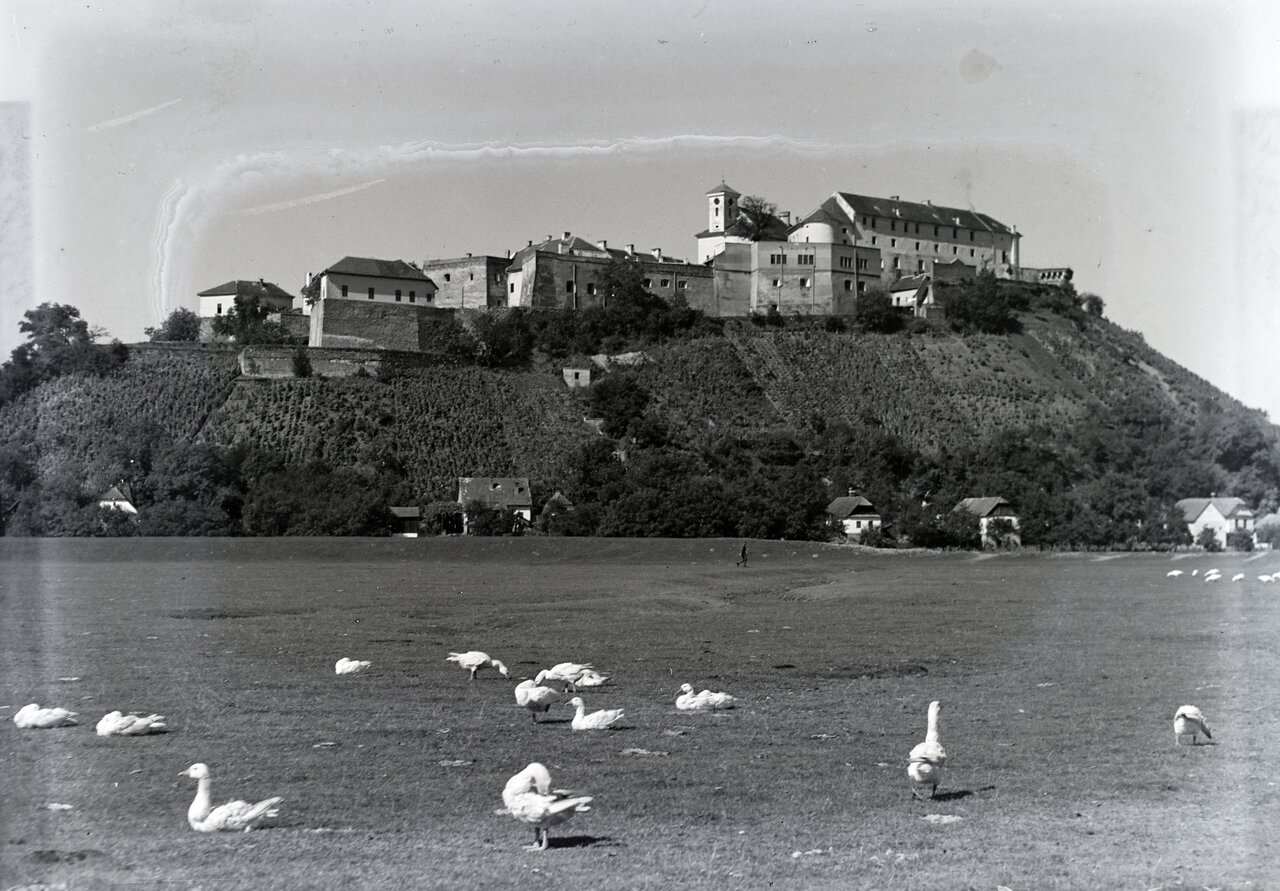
pixel 751 260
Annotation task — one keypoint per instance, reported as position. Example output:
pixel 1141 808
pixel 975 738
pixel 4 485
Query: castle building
pixel 567 272
pixel 469 282
pixel 368 279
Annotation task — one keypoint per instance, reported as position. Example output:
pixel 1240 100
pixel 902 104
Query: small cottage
pixel 511 494
pixel 998 521
pixel 1223 515
pixel 407 521
pixel 118 497
pixel 853 514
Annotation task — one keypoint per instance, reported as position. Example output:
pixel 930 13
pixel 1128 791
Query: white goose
pixel 120 724
pixel 600 720
pixel 1188 720
pixel 33 717
pixel 530 799
pixel 536 699
pixel 474 660
pixel 1237 577
pixel 702 702
pixel 567 673
pixel 924 765
pixel 1265 578
pixel 591 678
pixel 350 666
pixel 1174 573
pixel 230 817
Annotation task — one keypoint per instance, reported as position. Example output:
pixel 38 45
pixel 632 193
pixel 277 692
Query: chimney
pixel 895 197
pixel 530 244
pixel 566 235
pixel 508 253
pixel 631 249
pixel 468 253
pixel 853 491
pixel 657 252
pixel 785 216
pixel 602 244
pixel 308 279
pixel 929 201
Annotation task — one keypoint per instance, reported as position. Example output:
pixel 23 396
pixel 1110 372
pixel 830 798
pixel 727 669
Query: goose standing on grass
pixel 530 799
pixel 120 724
pixel 1188 720
pixel 474 660
pixel 705 701
pixel 924 765
pixel 536 699
pixel 350 666
pixel 33 717
pixel 230 817
pixel 567 673
pixel 600 720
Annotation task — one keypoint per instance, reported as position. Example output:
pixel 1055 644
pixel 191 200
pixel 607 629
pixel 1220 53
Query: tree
pixel 1208 539
pixel 619 399
pixel 980 305
pixel 756 217
pixel 1092 304
pixel 58 342
pixel 248 321
pixel 182 325
pixel 875 312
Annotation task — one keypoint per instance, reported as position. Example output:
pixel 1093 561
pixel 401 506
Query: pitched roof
pixel 115 494
pixel 828 211
pixel 580 247
pixel 377 268
pixel 909 283
pixel 932 214
pixel 849 505
pixel 983 507
pixel 407 513
pixel 245 288
pixel 495 491
pixel 1192 508
pixel 728 190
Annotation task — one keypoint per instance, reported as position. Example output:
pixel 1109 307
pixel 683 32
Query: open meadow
pixel 1058 674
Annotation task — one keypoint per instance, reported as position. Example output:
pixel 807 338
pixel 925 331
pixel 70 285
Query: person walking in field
pixel 742 561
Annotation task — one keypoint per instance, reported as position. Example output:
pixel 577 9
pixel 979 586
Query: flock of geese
pixel 528 796
pixel 1213 575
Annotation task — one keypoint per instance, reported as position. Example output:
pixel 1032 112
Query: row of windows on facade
pixel 413 295
pixel 571 286
pixel 893 227
pixel 471 276
pixel 807 259
pixel 806 282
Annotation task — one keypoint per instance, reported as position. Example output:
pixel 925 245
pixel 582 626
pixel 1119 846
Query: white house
pixel 989 510
pixel 367 279
pixel 118 498
pixel 1222 515
pixel 221 300
pixel 510 494
pixel 855 514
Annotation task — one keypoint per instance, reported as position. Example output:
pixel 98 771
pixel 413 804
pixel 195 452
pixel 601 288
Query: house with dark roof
pixel 568 272
pixel 1222 515
pixel 408 520
pixel 219 300
pixel 366 303
pixel 510 494
pixel 370 280
pixel 998 521
pixel 118 497
pixel 853 514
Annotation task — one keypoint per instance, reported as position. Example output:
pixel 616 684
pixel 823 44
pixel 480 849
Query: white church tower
pixel 722 211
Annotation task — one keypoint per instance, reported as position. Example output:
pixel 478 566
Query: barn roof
pixel 508 493
pixel 983 507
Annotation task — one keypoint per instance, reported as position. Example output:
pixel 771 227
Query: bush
pixel 1208 539
pixel 876 313
pixel 1239 541
pixel 301 363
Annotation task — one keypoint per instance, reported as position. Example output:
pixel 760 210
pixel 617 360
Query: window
pixel 446 277
pixel 344 290
pixel 568 287
pixel 413 297
pixel 497 278
pixel 935 231
pixel 970 252
pixel 917 228
pixel 648 283
pixel 219 310
pixel 893 225
pixel 919 265
pixel 955 233
pixel 471 276
pixel 897 262
pixel 848 285
pixel 591 287
pixel 875 239
pixel 397 295
pixel 777 283
pixel 917 245
pixel 862 263
pixel 846 262
pixel 805 259
pixel 777 259
pixel 665 283
pixel 371 293
pixel 804 282
pixel 862 287
pixel 893 242
pixel 682 286
pixel 954 250
pixel 1004 256
pixel 971 234
pixel 511 288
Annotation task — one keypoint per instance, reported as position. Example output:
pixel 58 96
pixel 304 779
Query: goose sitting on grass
pixel 536 699
pixel 1174 573
pixel 1188 720
pixel 529 798
pixel 591 678
pixel 702 702
pixel 230 817
pixel 924 765
pixel 33 717
pixel 474 660
pixel 350 666
pixel 600 720
pixel 120 724
pixel 567 673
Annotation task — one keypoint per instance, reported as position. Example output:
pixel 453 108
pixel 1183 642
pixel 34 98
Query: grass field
pixel 1059 676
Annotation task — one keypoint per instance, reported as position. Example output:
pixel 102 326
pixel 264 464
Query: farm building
pixel 854 514
pixel 509 494
pixel 118 497
pixel 1223 515
pixel 408 519
pixel 998 521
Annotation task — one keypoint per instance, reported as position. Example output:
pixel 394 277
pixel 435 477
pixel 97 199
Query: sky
pixel 151 150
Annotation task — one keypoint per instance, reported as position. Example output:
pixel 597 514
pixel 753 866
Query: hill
pixel 747 430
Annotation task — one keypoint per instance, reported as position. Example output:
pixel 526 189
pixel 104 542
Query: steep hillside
pixel 1073 414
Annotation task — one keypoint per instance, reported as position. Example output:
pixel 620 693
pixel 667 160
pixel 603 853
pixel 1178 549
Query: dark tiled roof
pixel 909 283
pixel 407 513
pixel 243 288
pixel 983 507
pixel 377 268
pixel 728 190
pixel 494 491
pixel 933 214
pixel 828 211
pixel 851 505
pixel 1192 508
pixel 580 247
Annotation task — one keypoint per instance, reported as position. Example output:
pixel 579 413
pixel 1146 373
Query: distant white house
pixel 854 514
pixel 371 280
pixel 119 498
pixel 221 300
pixel 989 510
pixel 1222 515
pixel 496 493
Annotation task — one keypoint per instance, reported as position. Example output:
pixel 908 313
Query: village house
pixel 118 497
pixel 218 301
pixel 408 520
pixel 1222 515
pixel 998 521
pixel 366 303
pixel 854 515
pixel 510 494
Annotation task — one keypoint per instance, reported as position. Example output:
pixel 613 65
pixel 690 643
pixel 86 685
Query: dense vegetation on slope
pixel 732 428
